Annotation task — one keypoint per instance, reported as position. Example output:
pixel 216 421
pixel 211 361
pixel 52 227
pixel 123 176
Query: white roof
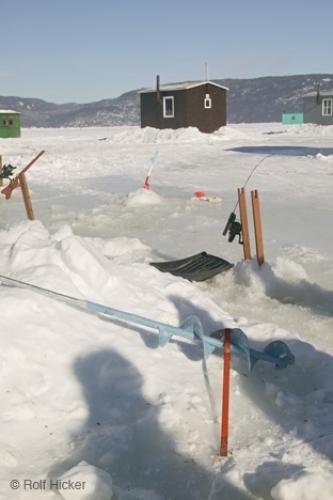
pixel 181 86
pixel 321 93
pixel 9 111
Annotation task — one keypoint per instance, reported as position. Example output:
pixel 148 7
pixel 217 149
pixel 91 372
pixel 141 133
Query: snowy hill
pixel 97 401
pixel 249 100
pixel 265 99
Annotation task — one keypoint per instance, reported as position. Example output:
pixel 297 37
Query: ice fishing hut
pixel 292 118
pixel 10 123
pixel 200 104
pixel 318 107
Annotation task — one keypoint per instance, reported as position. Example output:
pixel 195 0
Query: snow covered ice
pixel 83 395
pixel 90 481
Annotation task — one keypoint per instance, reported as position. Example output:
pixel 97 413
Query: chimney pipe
pixel 158 88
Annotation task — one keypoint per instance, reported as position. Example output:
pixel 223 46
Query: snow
pixel 89 398
pixel 85 482
pixel 142 197
pixel 182 86
pixel 6 111
pixel 308 485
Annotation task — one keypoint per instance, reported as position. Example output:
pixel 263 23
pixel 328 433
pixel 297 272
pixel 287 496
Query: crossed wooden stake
pixel 20 180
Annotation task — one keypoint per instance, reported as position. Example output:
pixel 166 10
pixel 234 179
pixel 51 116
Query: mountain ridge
pixel 250 100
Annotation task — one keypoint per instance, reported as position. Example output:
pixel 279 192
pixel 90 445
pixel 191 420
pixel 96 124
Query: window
pixel 168 107
pixel 326 107
pixel 7 123
pixel 207 102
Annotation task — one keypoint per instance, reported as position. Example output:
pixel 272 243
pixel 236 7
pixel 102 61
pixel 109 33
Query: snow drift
pixel 104 393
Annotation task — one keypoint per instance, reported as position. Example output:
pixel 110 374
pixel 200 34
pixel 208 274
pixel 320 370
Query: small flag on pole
pixel 153 159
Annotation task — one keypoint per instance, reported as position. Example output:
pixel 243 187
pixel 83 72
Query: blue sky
pixel 82 51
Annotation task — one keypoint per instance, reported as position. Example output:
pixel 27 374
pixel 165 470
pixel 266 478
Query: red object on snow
pixel 200 194
pixel 146 184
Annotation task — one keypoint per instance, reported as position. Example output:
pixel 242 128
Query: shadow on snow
pixel 283 150
pixel 122 433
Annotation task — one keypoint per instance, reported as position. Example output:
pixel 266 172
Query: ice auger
pixel 277 352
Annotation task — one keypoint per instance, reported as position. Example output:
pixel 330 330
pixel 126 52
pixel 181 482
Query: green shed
pixel 10 124
pixel 292 118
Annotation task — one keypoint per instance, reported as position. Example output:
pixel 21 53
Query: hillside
pixel 249 101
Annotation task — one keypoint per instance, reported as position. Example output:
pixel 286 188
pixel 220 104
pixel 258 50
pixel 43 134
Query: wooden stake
pixel 1 180
pixel 225 393
pixel 257 227
pixel 14 183
pixel 26 196
pixel 244 222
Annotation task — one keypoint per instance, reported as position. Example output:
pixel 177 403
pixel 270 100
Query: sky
pixel 83 51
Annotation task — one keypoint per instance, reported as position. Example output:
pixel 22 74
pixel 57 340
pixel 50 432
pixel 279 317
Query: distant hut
pixel 191 104
pixel 318 107
pixel 10 125
pixel 292 118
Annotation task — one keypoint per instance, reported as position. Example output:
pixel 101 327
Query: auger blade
pixel 193 325
pixel 164 336
pixel 198 331
pixel 241 345
pixel 281 352
pixel 208 348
